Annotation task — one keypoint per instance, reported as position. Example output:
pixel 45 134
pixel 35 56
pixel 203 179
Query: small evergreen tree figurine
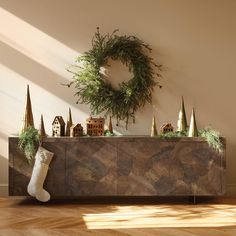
pixel 110 128
pixel 28 119
pixel 193 132
pixel 42 132
pixel 182 121
pixel 69 123
pixel 154 127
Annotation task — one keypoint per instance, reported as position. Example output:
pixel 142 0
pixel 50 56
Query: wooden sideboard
pixel 124 166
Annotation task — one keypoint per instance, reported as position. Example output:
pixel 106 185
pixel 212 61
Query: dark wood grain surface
pixel 124 166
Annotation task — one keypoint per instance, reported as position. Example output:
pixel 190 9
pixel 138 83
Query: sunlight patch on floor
pixel 163 216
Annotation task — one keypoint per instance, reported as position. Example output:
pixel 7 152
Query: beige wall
pixel 195 40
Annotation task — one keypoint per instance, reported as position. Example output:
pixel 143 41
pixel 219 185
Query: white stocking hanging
pixel 35 188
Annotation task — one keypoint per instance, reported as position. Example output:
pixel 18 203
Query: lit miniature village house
pixel 95 126
pixel 167 128
pixel 76 130
pixel 58 127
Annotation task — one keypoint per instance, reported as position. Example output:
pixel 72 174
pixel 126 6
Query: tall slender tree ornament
pixel 182 121
pixel 28 120
pixel 69 123
pixel 42 132
pixel 154 127
pixel 193 132
pixel 110 126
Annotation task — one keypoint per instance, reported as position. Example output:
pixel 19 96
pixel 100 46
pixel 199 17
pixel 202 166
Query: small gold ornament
pixel 110 128
pixel 193 132
pixel 182 121
pixel 42 132
pixel 154 127
pixel 69 123
pixel 28 119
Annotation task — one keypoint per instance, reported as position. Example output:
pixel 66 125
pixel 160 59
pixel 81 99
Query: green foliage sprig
pixel 176 134
pixel 211 136
pixel 108 133
pixel 93 87
pixel 28 141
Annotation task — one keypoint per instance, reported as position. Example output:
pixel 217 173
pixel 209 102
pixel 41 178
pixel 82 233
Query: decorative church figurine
pixel 28 119
pixel 110 128
pixel 69 123
pixel 76 130
pixel 182 121
pixel 154 127
pixel 58 127
pixel 42 132
pixel 193 132
pixel 166 128
pixel 95 126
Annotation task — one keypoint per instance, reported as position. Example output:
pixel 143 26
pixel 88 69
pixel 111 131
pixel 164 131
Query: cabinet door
pixel 144 168
pixel 19 170
pixel 55 182
pixel 91 167
pixel 202 167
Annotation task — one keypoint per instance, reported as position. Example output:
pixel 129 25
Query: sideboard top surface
pixel 122 138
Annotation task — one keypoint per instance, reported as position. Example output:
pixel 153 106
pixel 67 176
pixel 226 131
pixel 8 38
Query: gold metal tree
pixel 193 132
pixel 69 123
pixel 42 132
pixel 182 121
pixel 154 127
pixel 110 128
pixel 28 119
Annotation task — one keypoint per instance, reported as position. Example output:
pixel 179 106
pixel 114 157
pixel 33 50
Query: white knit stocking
pixel 35 187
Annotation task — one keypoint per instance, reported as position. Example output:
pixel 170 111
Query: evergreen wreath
pixel 93 87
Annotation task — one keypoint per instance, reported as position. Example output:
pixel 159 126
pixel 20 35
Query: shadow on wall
pixel 46 68
pixel 38 74
pixel 51 82
pixel 3 162
pixel 3 136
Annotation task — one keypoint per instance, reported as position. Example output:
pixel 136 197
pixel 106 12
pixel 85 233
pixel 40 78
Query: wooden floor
pixel 117 217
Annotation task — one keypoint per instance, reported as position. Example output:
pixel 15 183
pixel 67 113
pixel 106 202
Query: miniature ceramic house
pixel 95 126
pixel 76 130
pixel 167 128
pixel 58 127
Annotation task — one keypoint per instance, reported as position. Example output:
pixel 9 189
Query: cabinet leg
pixel 192 199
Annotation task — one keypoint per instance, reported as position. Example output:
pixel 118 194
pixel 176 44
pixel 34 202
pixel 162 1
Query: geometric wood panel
pixel 124 166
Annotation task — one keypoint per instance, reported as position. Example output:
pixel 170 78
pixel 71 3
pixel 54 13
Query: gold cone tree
pixel 42 132
pixel 28 119
pixel 193 132
pixel 182 121
pixel 69 123
pixel 110 127
pixel 154 127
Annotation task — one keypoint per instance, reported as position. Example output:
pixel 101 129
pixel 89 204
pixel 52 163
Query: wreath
pixel 94 89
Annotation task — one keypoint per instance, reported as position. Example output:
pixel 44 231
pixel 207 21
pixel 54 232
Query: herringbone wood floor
pixel 119 216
